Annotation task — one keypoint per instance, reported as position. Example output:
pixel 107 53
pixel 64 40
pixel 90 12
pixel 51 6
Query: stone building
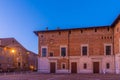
pixel 14 57
pixel 32 61
pixel 80 50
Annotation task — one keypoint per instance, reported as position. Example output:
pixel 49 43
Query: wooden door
pixel 52 67
pixel 96 67
pixel 73 67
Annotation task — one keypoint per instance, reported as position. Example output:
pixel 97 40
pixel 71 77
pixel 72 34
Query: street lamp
pixel 13 51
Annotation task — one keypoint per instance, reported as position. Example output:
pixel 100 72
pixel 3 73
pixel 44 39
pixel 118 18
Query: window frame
pixel 84 45
pixel 105 49
pixel 46 51
pixel 84 65
pixel 107 65
pixel 62 65
pixel 52 54
pixel 61 50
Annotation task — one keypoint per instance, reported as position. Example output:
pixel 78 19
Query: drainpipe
pixel 114 52
pixel 68 51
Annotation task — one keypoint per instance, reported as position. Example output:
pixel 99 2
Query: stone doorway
pixel 96 68
pixel 52 67
pixel 74 67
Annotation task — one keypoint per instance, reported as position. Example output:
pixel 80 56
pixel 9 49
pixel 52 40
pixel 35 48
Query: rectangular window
pixel 108 50
pixel 51 54
pixel 44 52
pixel 107 66
pixel 84 50
pixel 63 51
pixel 63 66
pixel 85 66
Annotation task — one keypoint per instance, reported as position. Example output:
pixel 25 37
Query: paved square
pixel 39 76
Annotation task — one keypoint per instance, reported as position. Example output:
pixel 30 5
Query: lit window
pixel 44 52
pixel 63 51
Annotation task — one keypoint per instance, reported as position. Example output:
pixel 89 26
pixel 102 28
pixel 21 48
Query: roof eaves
pixel 36 32
pixel 115 21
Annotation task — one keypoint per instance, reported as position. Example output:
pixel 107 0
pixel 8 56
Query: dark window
pixel 51 54
pixel 59 33
pixel 63 66
pixel 84 50
pixel 110 37
pixel 19 53
pixel 63 52
pixel 105 37
pixel 107 66
pixel 52 35
pixel 13 41
pixel 95 30
pixel 85 66
pixel 69 32
pixel 108 29
pixel 108 50
pixel 41 35
pixel 117 29
pixel 81 31
pixel 102 37
pixel 44 52
pixel 18 64
pixel 0 66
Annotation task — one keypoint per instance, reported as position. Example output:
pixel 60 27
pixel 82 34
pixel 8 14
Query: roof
pixel 116 21
pixel 112 25
pixel 11 42
pixel 36 32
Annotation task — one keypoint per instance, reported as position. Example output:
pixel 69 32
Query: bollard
pixel 5 74
pixel 14 73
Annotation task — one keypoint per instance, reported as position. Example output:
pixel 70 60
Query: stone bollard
pixel 14 73
pixel 4 74
pixel 104 71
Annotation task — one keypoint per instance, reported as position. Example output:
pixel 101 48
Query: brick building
pixel 80 50
pixel 14 57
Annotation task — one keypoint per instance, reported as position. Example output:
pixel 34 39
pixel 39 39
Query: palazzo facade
pixel 80 50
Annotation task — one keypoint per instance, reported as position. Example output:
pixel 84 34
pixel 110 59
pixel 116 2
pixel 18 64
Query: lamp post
pixel 13 54
pixel 16 58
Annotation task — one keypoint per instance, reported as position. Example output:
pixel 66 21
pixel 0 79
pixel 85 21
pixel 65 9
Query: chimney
pixel 58 28
pixel 46 28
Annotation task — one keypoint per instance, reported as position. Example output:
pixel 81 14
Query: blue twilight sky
pixel 19 18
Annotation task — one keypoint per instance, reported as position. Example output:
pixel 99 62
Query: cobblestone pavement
pixel 39 76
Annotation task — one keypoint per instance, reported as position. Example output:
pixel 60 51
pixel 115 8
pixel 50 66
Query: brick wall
pixel 94 40
pixel 117 38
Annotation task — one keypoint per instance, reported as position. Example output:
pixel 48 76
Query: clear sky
pixel 19 18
